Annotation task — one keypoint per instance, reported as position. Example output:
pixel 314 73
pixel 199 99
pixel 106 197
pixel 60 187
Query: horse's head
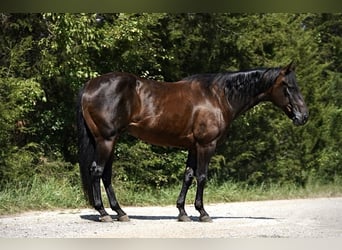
pixel 285 94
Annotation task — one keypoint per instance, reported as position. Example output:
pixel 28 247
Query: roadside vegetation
pixel 51 194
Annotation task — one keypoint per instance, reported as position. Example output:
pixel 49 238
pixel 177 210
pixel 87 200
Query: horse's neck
pixel 247 89
pixel 240 106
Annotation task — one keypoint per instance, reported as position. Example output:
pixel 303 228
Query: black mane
pixel 240 84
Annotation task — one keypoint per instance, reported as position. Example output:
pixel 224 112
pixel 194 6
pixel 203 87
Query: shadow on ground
pixel 93 217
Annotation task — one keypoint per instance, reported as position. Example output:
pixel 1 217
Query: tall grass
pixel 42 194
pixel 231 192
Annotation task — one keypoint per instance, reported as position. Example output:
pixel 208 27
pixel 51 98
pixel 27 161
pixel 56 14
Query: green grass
pixel 40 195
pixel 231 192
pixel 52 193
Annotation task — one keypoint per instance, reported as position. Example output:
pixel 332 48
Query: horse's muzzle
pixel 300 118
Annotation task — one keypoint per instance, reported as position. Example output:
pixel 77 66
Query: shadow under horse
pixel 194 114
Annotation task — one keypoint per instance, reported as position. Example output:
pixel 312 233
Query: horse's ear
pixel 289 68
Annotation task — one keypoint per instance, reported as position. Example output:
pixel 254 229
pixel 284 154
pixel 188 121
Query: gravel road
pixel 302 218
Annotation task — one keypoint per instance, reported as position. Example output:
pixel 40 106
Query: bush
pixel 18 98
pixel 147 166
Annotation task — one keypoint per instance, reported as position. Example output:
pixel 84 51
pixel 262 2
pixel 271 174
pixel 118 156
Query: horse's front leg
pixel 188 178
pixel 204 154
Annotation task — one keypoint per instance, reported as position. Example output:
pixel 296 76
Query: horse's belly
pixel 160 137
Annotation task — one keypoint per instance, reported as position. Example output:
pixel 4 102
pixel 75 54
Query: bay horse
pixel 193 113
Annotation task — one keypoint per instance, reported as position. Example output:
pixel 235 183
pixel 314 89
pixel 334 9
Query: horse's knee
pixel 201 179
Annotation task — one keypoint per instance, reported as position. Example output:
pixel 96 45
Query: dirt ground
pixel 302 218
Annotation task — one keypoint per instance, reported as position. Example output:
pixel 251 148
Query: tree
pixel 326 159
pixel 19 94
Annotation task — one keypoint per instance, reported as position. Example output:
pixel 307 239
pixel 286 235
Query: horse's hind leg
pixel 107 182
pixel 98 204
pixel 104 149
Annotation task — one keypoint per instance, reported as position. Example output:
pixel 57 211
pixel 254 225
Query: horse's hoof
pixel 124 218
pixel 205 218
pixel 184 218
pixel 106 218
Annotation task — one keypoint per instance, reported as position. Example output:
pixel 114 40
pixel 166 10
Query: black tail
pixel 86 151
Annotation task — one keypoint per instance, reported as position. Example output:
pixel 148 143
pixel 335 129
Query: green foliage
pixel 327 150
pixel 45 59
pixel 18 98
pixel 145 166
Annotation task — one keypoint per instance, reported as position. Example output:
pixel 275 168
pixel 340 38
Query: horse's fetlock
pixel 198 205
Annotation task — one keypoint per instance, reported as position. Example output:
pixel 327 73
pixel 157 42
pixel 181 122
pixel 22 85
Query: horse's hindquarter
pixel 108 102
pixel 175 114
